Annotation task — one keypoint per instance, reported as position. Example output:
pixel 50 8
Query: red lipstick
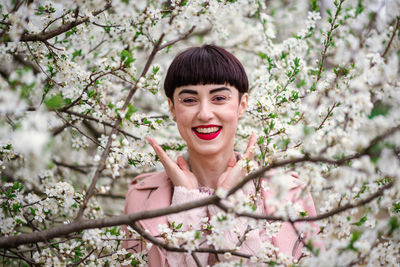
pixel 207 136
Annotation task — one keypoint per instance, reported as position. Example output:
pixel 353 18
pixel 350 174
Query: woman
pixel 207 95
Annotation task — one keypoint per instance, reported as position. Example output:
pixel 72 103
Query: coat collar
pixel 160 193
pixel 152 180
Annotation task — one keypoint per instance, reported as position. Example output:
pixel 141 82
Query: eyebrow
pixel 219 89
pixel 193 92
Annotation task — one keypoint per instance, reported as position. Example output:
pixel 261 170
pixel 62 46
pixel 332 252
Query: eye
pixel 220 99
pixel 188 100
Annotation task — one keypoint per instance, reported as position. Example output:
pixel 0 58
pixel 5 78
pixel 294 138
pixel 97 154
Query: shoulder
pixel 289 179
pixel 145 185
pixel 146 181
pixel 149 180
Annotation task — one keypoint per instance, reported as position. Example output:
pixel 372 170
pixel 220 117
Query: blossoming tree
pixel 81 90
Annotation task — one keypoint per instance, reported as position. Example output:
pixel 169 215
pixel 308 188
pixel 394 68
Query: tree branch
pixel 161 244
pixel 314 218
pixel 327 115
pixel 79 225
pixel 392 37
pixel 178 39
pixel 44 36
pixel 328 40
pixel 87 117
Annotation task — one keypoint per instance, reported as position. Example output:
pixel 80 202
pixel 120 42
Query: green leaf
pixel 17 186
pixel 393 224
pixel 221 218
pixel 271 125
pixel 296 62
pixel 314 5
pixel 360 8
pixel 283 143
pixel 396 207
pixel 32 211
pixel 135 262
pixel 127 57
pixel 283 55
pixel 273 115
pixel 262 55
pixel 16 207
pixel 361 221
pixel 295 95
pixel 260 140
pixel 131 110
pixel 77 53
pixel 311 247
pixel 379 108
pixel 354 237
pixel 54 102
pixel 146 121
pixel 155 69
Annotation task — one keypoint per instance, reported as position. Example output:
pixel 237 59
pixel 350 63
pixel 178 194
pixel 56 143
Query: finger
pixel 231 165
pixel 164 158
pixel 182 163
pixel 232 162
pixel 251 146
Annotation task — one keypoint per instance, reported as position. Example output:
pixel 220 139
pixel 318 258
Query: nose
pixel 205 112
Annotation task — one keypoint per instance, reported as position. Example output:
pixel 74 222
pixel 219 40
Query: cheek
pixel 181 114
pixel 183 119
pixel 230 114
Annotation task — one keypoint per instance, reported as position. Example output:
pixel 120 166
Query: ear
pixel 171 108
pixel 243 104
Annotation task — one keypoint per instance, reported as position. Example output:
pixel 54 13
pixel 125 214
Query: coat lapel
pixel 159 196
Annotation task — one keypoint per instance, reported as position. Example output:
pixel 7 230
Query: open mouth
pixel 208 132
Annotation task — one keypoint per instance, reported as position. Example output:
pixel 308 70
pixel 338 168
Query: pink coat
pixel 154 191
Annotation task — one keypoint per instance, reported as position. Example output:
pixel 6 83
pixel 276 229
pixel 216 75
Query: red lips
pixel 207 136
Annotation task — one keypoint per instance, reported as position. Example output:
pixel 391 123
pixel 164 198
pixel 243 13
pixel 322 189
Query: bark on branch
pixel 44 36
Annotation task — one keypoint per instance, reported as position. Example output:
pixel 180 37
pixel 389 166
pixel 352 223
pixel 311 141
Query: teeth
pixel 207 130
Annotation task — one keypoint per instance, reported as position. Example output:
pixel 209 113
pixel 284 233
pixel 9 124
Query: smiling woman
pixel 207 95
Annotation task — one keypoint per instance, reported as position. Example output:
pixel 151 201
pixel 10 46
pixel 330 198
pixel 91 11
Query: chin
pixel 211 148
pixel 206 150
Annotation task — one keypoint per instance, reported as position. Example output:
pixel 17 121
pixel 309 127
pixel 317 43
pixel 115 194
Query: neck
pixel 208 168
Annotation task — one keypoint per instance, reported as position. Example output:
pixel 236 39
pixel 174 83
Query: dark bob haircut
pixel 208 64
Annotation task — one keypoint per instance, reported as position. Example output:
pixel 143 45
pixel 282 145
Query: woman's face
pixel 207 116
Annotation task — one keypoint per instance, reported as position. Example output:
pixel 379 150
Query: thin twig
pixel 178 39
pixel 392 37
pixel 43 36
pixel 327 115
pixel 328 40
pixel 196 259
pixel 79 130
pixel 69 166
pixel 87 117
pixel 34 58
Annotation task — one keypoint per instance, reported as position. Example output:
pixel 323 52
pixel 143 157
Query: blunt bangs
pixel 207 64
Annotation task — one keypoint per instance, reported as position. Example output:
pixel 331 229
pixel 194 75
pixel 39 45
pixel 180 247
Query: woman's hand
pixel 235 172
pixel 178 172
